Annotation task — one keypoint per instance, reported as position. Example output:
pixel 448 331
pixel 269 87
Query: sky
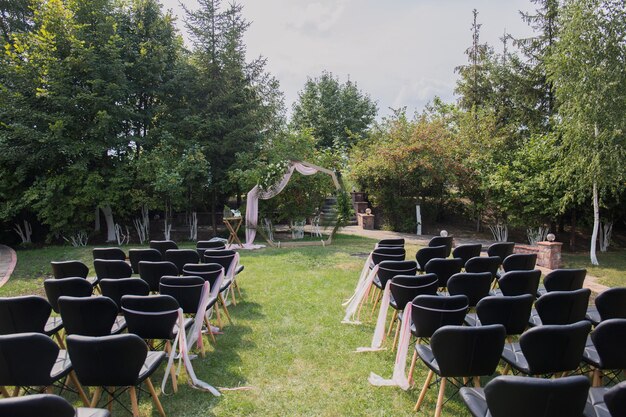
pixel 400 52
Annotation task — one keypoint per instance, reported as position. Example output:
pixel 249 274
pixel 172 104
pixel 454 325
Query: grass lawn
pixel 287 342
pixel 612 268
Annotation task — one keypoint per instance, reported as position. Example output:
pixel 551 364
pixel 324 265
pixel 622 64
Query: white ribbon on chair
pixel 399 377
pixel 230 275
pixel 379 331
pixel 364 273
pixel 195 332
pixel 359 296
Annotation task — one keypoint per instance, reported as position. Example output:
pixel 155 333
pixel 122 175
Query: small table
pixel 233 224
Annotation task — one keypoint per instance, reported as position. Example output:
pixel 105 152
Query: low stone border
pixel 8 260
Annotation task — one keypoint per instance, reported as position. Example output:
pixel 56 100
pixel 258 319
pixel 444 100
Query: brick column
pixel 366 221
pixel 550 254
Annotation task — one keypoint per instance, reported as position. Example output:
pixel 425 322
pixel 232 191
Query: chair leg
pixel 133 401
pixel 412 366
pixel 392 322
pixel 218 315
pixel 49 389
pixel 476 382
pixel 238 289
pixel 597 378
pixel 168 349
pixel 16 392
pixel 4 392
pixel 155 397
pixel 223 303
pixel 110 403
pixel 208 325
pixel 424 389
pixel 506 370
pixel 232 295
pixel 59 338
pixel 376 300
pixel 395 338
pixel 442 390
pixel 81 393
pixel 96 397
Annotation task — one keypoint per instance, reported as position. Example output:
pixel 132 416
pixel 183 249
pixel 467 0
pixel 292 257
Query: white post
pixel 108 217
pixel 596 225
pixel 418 215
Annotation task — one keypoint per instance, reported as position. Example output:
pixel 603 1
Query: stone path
pixel 591 282
pixel 8 259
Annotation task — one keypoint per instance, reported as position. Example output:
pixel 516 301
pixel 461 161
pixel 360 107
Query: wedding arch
pixel 256 193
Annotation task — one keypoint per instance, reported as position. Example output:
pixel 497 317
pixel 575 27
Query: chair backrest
pixel 511 312
pixel 23 314
pixel 388 254
pixel 404 288
pixel 501 249
pixel 467 252
pixel 563 307
pixel 389 269
pixel 186 290
pixel 137 255
pixel 611 303
pixel 41 405
pixel 430 312
pixel 615 399
pixel 68 269
pixel 151 272
pixel 609 338
pixel 390 243
pixel 181 257
pixel 444 269
pixel 113 361
pixel 519 262
pixel 163 245
pixel 520 282
pixel 27 359
pixel 115 254
pixel 550 348
pixel 484 264
pixel 92 316
pixel 508 396
pixel 210 244
pixel 565 279
pixel 474 285
pixel 150 317
pixel 208 272
pixel 115 289
pixel 73 287
pixel 110 268
pixel 426 254
pixel 463 351
pixel 223 257
pixel 442 241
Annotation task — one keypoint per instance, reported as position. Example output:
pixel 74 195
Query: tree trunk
pixel 596 225
pixel 108 217
pixel 213 212
pixel 96 226
pixel 572 232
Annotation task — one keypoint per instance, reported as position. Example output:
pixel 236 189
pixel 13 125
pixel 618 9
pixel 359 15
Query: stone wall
pixel 548 253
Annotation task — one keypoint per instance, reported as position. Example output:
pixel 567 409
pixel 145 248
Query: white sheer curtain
pixel 252 202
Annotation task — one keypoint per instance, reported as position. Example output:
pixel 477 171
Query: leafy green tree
pixel 338 115
pixel 588 72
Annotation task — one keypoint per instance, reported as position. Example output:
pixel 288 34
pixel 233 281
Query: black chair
pixel 560 307
pixel 71 269
pixel 151 272
pixel 389 269
pixel 163 245
pixel 390 243
pixel 608 402
pixel 444 269
pixel 73 287
pixel 46 405
pixel 519 262
pixel 388 254
pixel 518 396
pixel 115 364
pixel 563 280
pixel 225 258
pixel 609 304
pixel 114 254
pixel 115 289
pixel 431 312
pixel 27 314
pixel 519 282
pixel 608 349
pixel 474 285
pixel 34 363
pixel 181 257
pixel 548 349
pixel 203 245
pixel 446 241
pixel 426 254
pixel 210 273
pixel 460 353
pixel 137 255
pixel 501 249
pixel 93 316
pixel 484 264
pixel 112 269
pixel 467 252
pixel 511 312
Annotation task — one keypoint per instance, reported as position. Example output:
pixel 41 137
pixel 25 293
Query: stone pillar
pixel 366 221
pixel 550 254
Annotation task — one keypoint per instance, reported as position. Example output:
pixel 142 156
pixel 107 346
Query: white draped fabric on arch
pixel 256 193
